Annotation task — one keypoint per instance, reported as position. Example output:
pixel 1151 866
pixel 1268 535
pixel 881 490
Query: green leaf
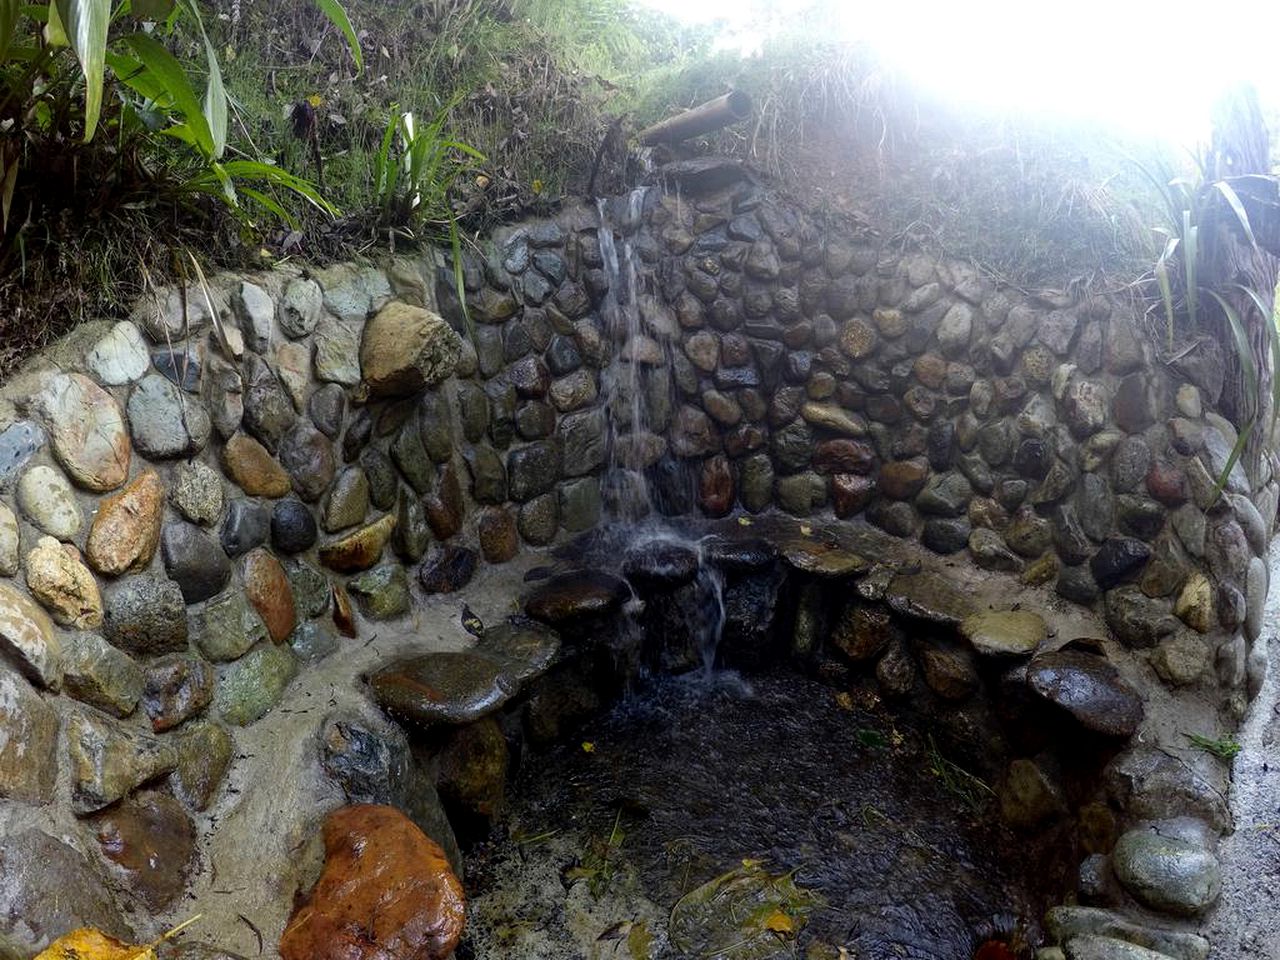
pixel 459 281
pixel 1269 321
pixel 338 17
pixel 1190 253
pixel 1250 371
pixel 153 10
pixel 1242 216
pixel 9 10
pixel 1166 288
pixel 270 204
pixel 215 94
pixel 168 75
pixel 85 22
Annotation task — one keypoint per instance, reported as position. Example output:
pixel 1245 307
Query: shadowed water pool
pixel 683 783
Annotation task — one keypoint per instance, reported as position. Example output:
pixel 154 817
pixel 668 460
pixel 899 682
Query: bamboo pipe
pixel 705 118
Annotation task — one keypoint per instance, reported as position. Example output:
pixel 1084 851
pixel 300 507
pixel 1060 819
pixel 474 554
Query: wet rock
pixel 1085 406
pixel 1088 688
pixel 405 349
pixel 307 456
pixel 1133 406
pixel 412 533
pixel 582 438
pixel 573 597
pixel 120 356
pixel 539 519
pixel 164 423
pixel 197 493
pixel 100 675
pixel 18 444
pixel 945 495
pixel 1167 483
pixel 903 479
pixel 1137 620
pixel 229 627
pixel 474 763
pixel 46 499
pixel 9 541
pixel 693 434
pixel 347 501
pixel 387 891
pixel 245 527
pixel 1117 560
pixel 660 565
pixel 928 596
pixel 63 585
pixel 254 684
pixel 1227 550
pixel 949 672
pixel 252 467
pixel 28 741
pixel 449 568
pixel 1194 604
pixel 1077 584
pixel 1149 784
pixel 176 689
pixel 381 593
pixel 293 528
pixel 194 560
pixel 991 552
pixel 204 755
pixel 1004 633
pixel 268 411
pixel 183 364
pixel 862 632
pixel 146 616
pixel 327 408
pixel 1029 795
pixel 446 508
pixel 359 550
pixel 267 587
pixel 1167 873
pixel 109 760
pixel 822 559
pixel 579 504
pixel 827 416
pixel 1067 923
pixel 896 671
pixel 449 688
pixel 48 887
pixel 87 430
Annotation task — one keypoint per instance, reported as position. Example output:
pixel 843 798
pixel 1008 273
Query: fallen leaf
pixel 89 944
pixel 588 746
pixel 745 521
pixel 779 922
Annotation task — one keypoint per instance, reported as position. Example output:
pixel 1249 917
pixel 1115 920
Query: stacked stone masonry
pixel 197 502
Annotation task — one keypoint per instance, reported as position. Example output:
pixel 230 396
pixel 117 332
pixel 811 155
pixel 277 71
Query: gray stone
pixel 268 411
pixel 582 438
pixel 1085 404
pixel 488 475
pixel 352 291
pixel 254 684
pixel 337 353
pixel 101 675
pixel 1137 620
pixel 538 519
pixel 313 640
pixel 197 492
pixel 991 552
pixel 434 426
pixel 256 312
pixel 955 330
pixel 310 588
pixel 1256 583
pixel 1250 520
pixel 86 429
pixel 1089 689
pixel 533 470
pixel 946 535
pixel 347 501
pixel 120 356
pixel 1091 947
pixel 109 760
pixel 1217 453
pixel 182 364
pixel 18 444
pixel 307 456
pixel 1065 923
pixel 580 506
pixel 164 423
pixel 1056 330
pixel 28 639
pixel 300 307
pixel 945 495
pixel 381 593
pixel 146 615
pixel 47 500
pixel 229 627
pixel 1077 584
pixel 412 534
pixel 328 409
pixel 411 457
pixel 1167 873
pixel 1148 783
pixel 245 527
pixel 1130 463
pixel 28 743
pixel 194 560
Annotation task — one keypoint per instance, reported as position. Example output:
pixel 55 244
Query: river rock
pixel 1167 873
pixel 387 891
pixel 405 349
pixel 447 568
pixel 126 528
pixel 268 589
pixel 252 467
pixel 229 627
pixel 268 411
pixel 28 744
pixel 1117 560
pixel 120 356
pixel 1148 783
pixel 307 456
pixel 47 500
pixel 1088 688
pixel 245 526
pixel 28 638
pixel 151 843
pixel 1182 658
pixel 110 760
pixel 101 675
pixel 166 424
pixel 382 593
pixel 9 541
pixel 293 528
pixel 660 565
pixel 64 585
pixel 194 560
pixel 1005 633
pixel 197 493
pixel 254 684
pixel 86 429
pixel 176 689
pixel 576 596
pixel 928 596
pixel 146 616
pixel 449 688
pixel 359 550
pixel 347 501
pixel 204 751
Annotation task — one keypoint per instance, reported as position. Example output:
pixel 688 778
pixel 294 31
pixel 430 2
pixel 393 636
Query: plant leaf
pixel 1190 253
pixel 1242 216
pixel 167 73
pixel 9 10
pixel 1269 321
pixel 85 22
pixel 338 17
pixel 6 191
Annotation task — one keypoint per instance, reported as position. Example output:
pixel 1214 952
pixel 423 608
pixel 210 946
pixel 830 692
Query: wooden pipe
pixel 704 118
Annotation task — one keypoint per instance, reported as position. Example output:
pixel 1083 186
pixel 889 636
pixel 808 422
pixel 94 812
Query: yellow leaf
pixel 745 521
pixel 779 922
pixel 806 529
pixel 89 944
pixel 537 186
pixel 844 701
pixel 588 746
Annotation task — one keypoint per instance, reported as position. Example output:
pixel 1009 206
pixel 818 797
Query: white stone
pixel 1188 401
pixel 1255 598
pixel 300 308
pixel 8 541
pixel 257 313
pixel 121 355
pixel 46 498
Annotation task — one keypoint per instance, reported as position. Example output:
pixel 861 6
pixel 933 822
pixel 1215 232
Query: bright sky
pixel 1148 68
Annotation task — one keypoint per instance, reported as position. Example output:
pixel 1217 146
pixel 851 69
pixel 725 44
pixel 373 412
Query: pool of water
pixel 691 777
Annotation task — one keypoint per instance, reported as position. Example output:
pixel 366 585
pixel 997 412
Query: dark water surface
pixel 691 777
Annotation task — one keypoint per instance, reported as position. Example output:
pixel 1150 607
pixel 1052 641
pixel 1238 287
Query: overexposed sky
pixel 1149 68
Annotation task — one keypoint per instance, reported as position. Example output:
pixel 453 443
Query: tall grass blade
pixel 1242 216
pixel 459 282
pixel 1250 372
pixel 1190 261
pixel 1269 319
pixel 168 74
pixel 85 22
pixel 1166 287
pixel 9 10
pixel 338 17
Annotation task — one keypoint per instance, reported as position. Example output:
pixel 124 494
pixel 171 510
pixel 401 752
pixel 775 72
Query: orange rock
pixel 126 529
pixel 343 618
pixel 360 550
pixel 386 893
pixel 267 587
pixel 253 468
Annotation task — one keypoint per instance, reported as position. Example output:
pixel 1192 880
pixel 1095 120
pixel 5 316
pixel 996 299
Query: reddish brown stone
pixel 176 688
pixel 903 479
pixel 931 370
pixel 386 893
pixel 445 507
pixel 742 439
pixel 843 455
pixel 715 487
pixel 267 587
pixel 254 469
pixel 499 538
pixel 343 617
pixel 1167 483
pixel 126 528
pixel 851 493
pixel 152 843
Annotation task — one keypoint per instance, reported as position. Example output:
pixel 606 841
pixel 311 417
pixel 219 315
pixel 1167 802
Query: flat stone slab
pixel 823 559
pixel 527 647
pixel 452 688
pixel 576 595
pixel 660 565
pixel 754 553
pixel 1090 689
pixel 1005 633
pixel 929 597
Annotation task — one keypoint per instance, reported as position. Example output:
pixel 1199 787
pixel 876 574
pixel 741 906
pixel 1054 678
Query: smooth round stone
pixel 327 407
pixel 660 565
pixel 443 688
pixel 447 569
pixel 147 616
pixel 64 585
pixel 166 424
pixel 359 550
pixel 18 444
pixel 381 593
pixel 347 501
pixel 821 559
pixel 197 493
pixel 255 684
pixel 380 473
pixel 46 498
pixel 87 430
pixel 1117 560
pixel 946 535
pixel 740 556
pixel 120 356
pixel 527 647
pixel 307 456
pixel 1088 688
pixel 268 411
pixel 293 528
pixel 229 627
pixel 267 586
pixel 204 754
pixel 245 527
pixel 575 596
pixel 1167 873
pixel 194 560
pixel 1001 633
